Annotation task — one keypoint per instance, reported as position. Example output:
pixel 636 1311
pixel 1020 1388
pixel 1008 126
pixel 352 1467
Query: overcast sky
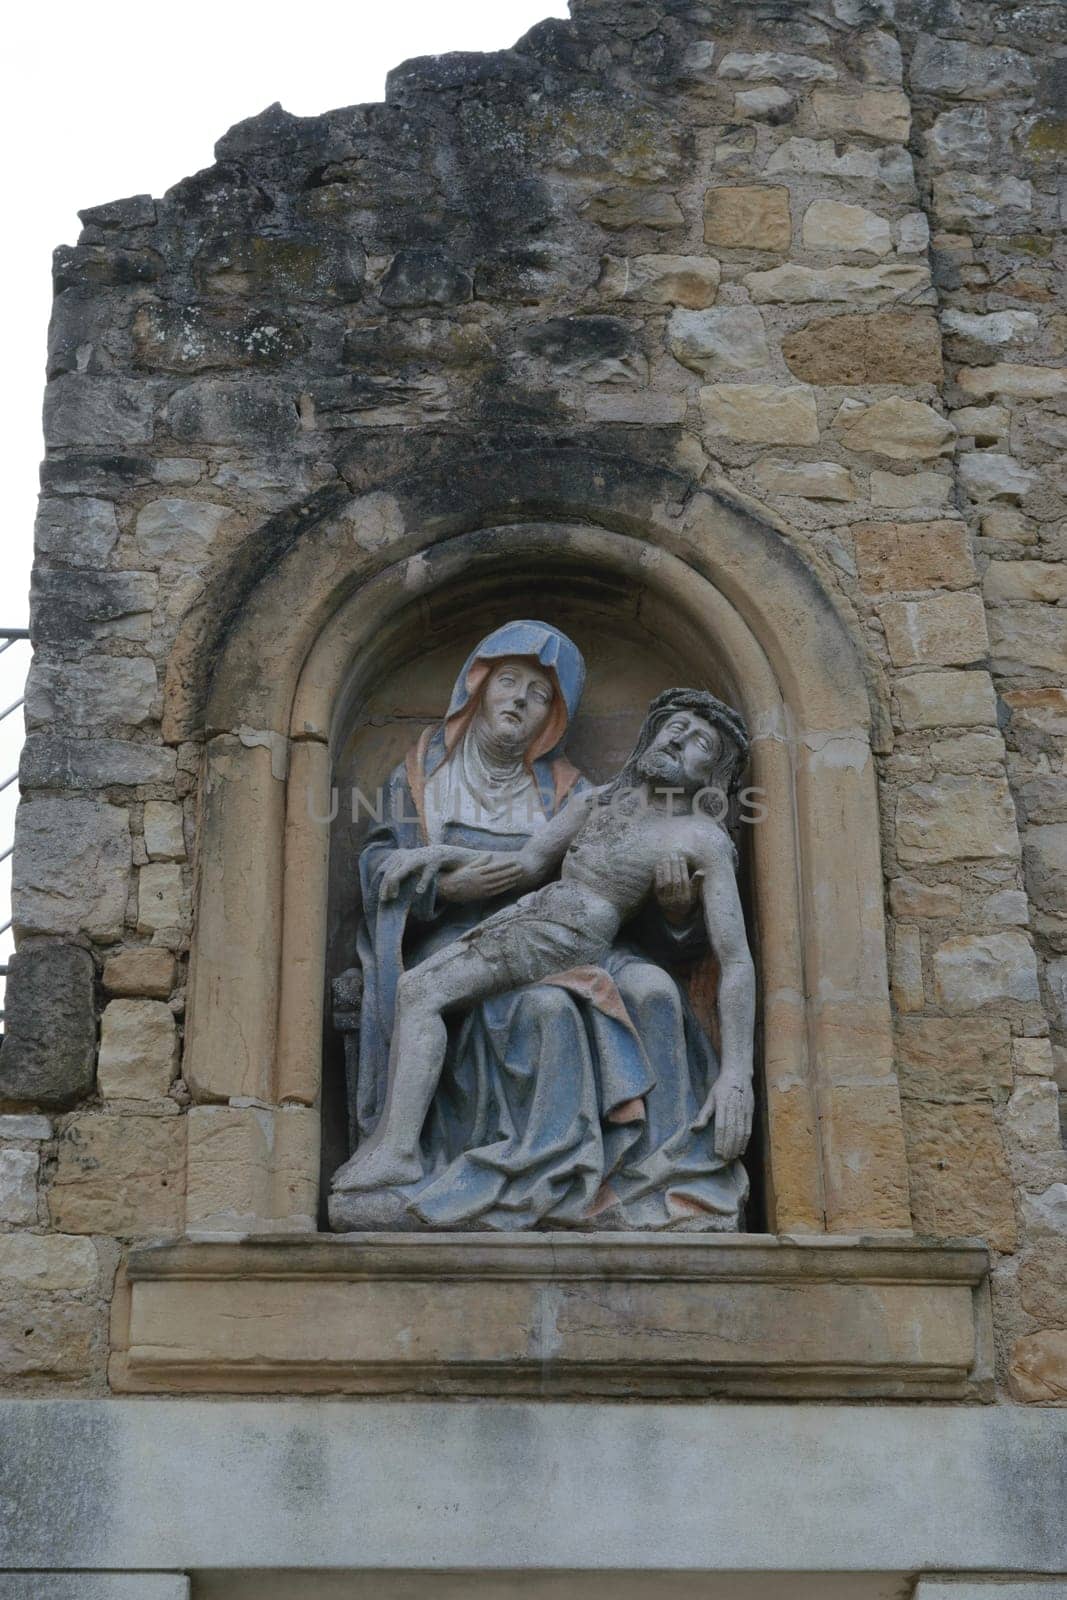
pixel 117 98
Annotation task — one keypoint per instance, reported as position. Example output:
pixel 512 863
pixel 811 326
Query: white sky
pixel 116 97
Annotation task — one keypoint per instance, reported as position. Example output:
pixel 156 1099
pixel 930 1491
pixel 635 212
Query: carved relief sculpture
pixel 527 1059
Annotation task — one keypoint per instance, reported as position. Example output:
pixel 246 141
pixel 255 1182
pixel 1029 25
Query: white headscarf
pixel 473 789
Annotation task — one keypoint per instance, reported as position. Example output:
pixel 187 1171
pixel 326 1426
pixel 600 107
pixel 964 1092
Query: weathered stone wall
pixel 808 248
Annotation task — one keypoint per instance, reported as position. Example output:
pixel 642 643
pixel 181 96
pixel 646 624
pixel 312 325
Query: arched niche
pixel 711 583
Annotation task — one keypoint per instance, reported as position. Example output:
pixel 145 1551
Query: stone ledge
pixel 625 1315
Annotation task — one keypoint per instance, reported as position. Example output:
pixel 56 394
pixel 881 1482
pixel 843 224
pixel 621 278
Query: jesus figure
pixel 608 844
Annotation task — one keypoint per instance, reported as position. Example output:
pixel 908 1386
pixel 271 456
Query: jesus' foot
pixel 377 1167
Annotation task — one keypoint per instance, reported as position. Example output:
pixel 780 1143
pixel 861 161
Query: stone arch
pixel 719 569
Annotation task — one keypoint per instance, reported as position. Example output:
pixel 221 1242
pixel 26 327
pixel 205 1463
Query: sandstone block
pixel 173 529
pixel 1028 638
pixel 164 835
pixel 792 284
pixel 162 902
pixel 962 199
pixel 969 752
pixel 149 973
pixel 1044 581
pixel 49 1335
pixel 946 700
pixel 947 1060
pixel 1038 711
pixel 47 1261
pixel 903 430
pixel 120 1175
pixel 885 347
pixel 1045 861
pixel 1031 1058
pixel 662 280
pixel 907 972
pixel 913 555
pixel 906 491
pixel 748 218
pixel 910 898
pixel 98 412
pixel 71 867
pixel 812 480
pixel 986 475
pixel 956 819
pixel 623 207
pixel 752 68
pixel 49 1050
pixel 889 168
pixel 760 413
pixel 1045 1215
pixel 960 1182
pixel 76 531
pixel 18 1186
pixel 983 969
pixel 968 71
pixel 53 762
pixel 946 631
pixel 248 1165
pixel 723 339
pixel 877 113
pixel 1011 378
pixel 830 225
pixel 94 691
pixel 984 424
pixel 138 1050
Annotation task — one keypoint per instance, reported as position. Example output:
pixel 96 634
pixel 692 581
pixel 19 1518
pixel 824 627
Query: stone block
pixel 18 1186
pixel 1014 379
pixel 769 102
pixel 961 137
pixel 956 819
pixel 182 531
pixel 875 113
pixel 773 64
pixel 1037 1373
pixel 24 1125
pixel 720 340
pixel 1027 638
pixel 47 1335
pixel 1045 862
pixel 903 430
pixel 78 531
pixel 49 1048
pixel 95 1586
pixel 967 199
pixel 831 225
pixel 889 168
pixel 138 1050
pixel 121 1175
pixel 988 475
pixel 969 752
pixel 98 412
pixel 811 480
pixel 908 897
pixel 991 328
pixel 793 285
pixel 624 207
pixel 162 902
pixel 425 278
pixel 748 218
pixel 164 835
pixel 1044 581
pixel 203 338
pixel 1045 1215
pixel 245 411
pixel 662 280
pixel 913 555
pixel 760 413
pixel 1041 712
pixel 50 761
pixel 247 1171
pixel 48 1261
pixel 945 631
pixel 907 970
pixel 983 969
pixel 149 973
pixel 1032 1115
pixel 984 424
pixel 884 347
pixel 95 691
pixel 642 409
pixel 73 608
pixel 945 1060
pixel 946 700
pixel 969 71
pixel 899 491
pixel 960 1182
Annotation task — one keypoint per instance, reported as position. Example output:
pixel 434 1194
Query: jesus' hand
pixel 731 1103
pixel 674 888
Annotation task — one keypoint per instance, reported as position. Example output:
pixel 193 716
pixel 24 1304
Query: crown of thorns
pixel 705 705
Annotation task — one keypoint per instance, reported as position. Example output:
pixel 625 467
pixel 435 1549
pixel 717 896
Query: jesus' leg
pixel 456 976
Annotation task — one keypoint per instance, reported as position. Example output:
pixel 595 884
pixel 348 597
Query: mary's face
pixel 516 703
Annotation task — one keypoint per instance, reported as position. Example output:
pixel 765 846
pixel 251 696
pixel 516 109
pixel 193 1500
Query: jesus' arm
pixel 730 1100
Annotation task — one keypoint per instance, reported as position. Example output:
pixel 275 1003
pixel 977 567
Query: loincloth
pixel 549 931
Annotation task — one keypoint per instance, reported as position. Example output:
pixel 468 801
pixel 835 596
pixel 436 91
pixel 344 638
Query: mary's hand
pixel 427 862
pixel 484 878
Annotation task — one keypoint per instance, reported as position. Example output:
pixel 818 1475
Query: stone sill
pixel 556 1314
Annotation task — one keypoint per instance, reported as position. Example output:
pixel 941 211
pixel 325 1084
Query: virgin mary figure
pixel 567 1103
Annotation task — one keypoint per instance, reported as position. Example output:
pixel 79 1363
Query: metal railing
pixel 9 636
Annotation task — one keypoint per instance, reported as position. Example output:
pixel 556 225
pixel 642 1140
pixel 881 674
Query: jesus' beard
pixel 662 769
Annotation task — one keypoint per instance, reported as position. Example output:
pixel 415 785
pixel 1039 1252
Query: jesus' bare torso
pixel 607 846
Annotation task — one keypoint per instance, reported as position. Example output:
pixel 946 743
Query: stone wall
pixel 808 249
